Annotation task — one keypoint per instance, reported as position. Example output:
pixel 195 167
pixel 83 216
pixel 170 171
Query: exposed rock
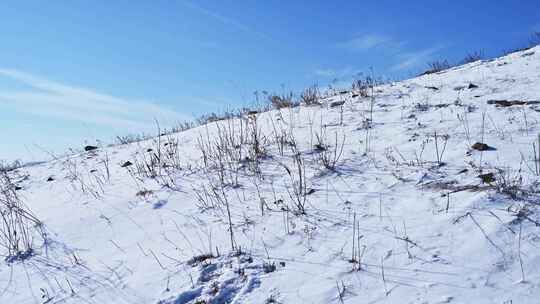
pixel 196 260
pixel 509 103
pixel 50 179
pixel 482 147
pixel 90 148
pixel 487 178
pixel 144 193
pixel 319 148
pixel 126 164
pixel 472 86
pixel 337 103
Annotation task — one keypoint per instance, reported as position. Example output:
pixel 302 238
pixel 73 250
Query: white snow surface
pixel 108 242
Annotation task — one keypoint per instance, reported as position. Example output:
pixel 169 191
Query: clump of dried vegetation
pixel 19 227
pixel 10 166
pixel 437 66
pixel 311 96
pixel 285 100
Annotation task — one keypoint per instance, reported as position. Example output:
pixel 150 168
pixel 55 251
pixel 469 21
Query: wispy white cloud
pixel 414 59
pixel 336 73
pixel 226 20
pixel 366 42
pixel 394 49
pixel 326 73
pixel 51 99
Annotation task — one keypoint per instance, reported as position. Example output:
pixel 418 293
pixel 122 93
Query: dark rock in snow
pixel 90 148
pixel 126 164
pixel 319 148
pixel 509 103
pixel 482 147
pixel 159 204
pixel 337 103
pixel 487 178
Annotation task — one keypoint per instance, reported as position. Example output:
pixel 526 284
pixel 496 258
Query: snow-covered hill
pixel 364 199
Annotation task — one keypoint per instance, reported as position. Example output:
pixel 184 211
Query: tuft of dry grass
pixel 283 101
pixel 18 225
pixel 473 57
pixel 311 96
pixel 437 66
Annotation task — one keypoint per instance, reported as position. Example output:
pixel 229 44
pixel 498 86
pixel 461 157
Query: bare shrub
pixel 329 154
pixel 160 162
pixel 226 152
pixel 209 196
pixel 473 57
pixel 135 138
pixel 209 118
pixel 363 86
pixel 212 196
pixel 510 183
pixel 182 126
pixel 281 133
pixel 311 96
pixel 534 40
pixel 19 225
pixel 536 156
pixel 282 101
pixel 440 146
pixel 10 166
pixel 89 183
pixel 437 66
pixel 298 182
pixel 256 144
pixel 131 138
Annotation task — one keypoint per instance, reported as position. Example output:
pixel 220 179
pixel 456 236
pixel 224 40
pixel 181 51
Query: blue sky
pixel 72 72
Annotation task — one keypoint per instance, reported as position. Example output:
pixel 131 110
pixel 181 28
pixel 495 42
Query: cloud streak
pixel 391 48
pixel 51 99
pixel 336 73
pixel 414 59
pixel 226 20
pixel 366 42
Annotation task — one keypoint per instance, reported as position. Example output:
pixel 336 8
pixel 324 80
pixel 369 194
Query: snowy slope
pixel 427 229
